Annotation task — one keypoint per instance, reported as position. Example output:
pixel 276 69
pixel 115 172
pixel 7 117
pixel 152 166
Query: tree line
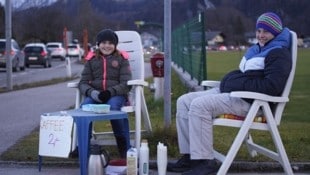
pixel 233 18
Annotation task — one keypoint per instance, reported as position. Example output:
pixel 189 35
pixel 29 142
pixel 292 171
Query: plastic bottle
pixel 144 158
pixel 96 162
pixel 161 159
pixel 132 161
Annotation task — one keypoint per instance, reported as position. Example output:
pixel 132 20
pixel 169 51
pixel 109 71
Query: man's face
pixel 263 36
pixel 106 47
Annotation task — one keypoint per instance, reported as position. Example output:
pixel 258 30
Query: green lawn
pixel 292 129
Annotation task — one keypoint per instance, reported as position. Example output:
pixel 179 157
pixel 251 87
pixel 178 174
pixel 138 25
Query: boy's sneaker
pixel 205 167
pixel 183 164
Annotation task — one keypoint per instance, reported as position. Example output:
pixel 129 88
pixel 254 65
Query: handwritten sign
pixel 55 136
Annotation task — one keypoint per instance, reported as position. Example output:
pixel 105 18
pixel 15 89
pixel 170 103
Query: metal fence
pixel 188 48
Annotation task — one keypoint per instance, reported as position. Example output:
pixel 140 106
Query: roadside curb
pixel 237 166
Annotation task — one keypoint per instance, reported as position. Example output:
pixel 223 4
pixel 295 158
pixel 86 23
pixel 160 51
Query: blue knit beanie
pixel 270 22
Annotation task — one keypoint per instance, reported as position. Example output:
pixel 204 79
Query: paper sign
pixel 55 136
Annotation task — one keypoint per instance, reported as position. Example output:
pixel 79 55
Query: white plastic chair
pixel 129 41
pixel 273 119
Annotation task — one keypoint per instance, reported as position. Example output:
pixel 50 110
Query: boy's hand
pixel 95 96
pixel 104 96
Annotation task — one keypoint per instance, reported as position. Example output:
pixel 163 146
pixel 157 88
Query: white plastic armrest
pixel 209 83
pixel 137 82
pixel 258 96
pixel 127 109
pixel 131 82
pixel 72 84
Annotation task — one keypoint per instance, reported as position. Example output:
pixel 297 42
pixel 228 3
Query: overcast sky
pixel 17 3
pixel 13 1
pixel 3 1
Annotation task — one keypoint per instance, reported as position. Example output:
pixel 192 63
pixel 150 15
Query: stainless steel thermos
pixel 98 160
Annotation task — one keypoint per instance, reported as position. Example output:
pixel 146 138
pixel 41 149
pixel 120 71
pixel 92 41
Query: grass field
pixel 293 128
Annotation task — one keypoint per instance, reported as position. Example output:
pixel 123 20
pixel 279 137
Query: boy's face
pixel 263 36
pixel 106 47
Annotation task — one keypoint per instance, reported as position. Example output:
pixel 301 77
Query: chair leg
pixel 283 159
pixel 74 138
pixel 248 141
pixel 233 149
pixel 145 114
pixel 243 132
pixel 281 151
pixel 39 163
pixel 138 117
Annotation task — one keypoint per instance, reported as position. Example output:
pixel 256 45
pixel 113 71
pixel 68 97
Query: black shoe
pixel 183 164
pixel 205 167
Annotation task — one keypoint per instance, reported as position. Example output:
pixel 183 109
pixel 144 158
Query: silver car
pixel 56 50
pixel 74 50
pixel 17 56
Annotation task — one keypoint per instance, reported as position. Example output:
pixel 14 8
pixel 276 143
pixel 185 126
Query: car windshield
pixel 33 49
pixel 72 47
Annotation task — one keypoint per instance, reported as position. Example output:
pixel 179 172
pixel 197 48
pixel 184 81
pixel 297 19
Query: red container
pixel 157 64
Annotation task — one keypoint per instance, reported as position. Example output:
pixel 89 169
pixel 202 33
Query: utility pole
pixel 167 63
pixel 8 36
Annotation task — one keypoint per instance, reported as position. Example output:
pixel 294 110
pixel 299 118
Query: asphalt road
pixel 21 110
pixel 59 69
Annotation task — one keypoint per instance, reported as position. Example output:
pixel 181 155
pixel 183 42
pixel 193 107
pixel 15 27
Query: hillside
pixel 233 18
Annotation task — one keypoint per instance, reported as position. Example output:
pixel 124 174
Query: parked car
pixel 306 43
pixel 74 50
pixel 17 55
pixel 37 54
pixel 56 50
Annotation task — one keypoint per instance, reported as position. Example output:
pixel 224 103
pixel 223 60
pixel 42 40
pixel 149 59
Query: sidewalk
pixel 21 110
pixel 19 169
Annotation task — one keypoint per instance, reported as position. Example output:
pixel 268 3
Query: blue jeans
pixel 120 127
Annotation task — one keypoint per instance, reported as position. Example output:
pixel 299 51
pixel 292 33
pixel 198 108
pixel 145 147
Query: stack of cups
pixel 161 159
